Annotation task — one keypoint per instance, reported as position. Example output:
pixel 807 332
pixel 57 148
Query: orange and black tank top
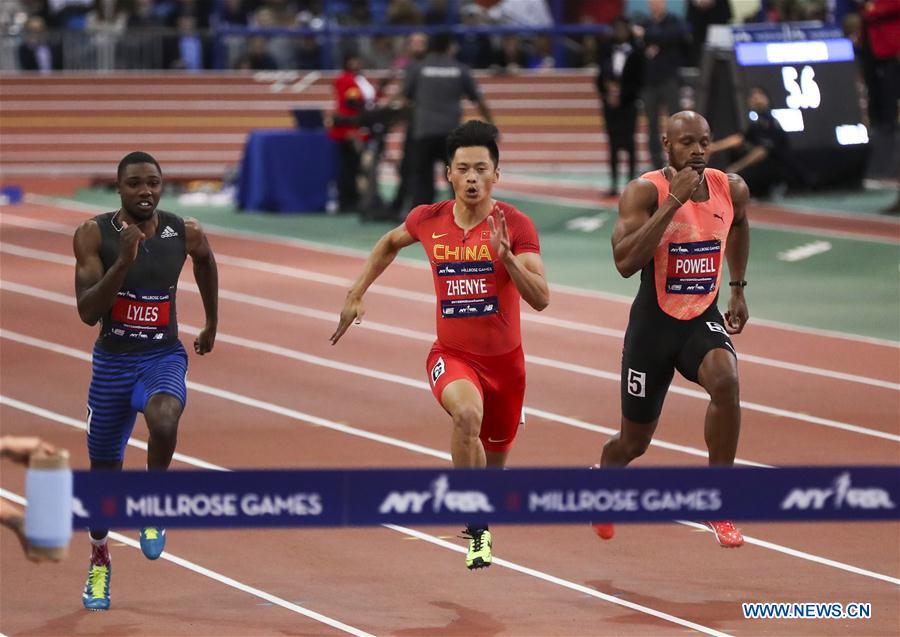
pixel 686 268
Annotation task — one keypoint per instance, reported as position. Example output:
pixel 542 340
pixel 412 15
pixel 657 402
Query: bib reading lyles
pixel 142 314
pixel 48 514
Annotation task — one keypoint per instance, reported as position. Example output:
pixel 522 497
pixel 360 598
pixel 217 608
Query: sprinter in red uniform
pixel 677 226
pixel 484 255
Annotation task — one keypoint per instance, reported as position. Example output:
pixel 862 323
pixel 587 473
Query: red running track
pixel 273 356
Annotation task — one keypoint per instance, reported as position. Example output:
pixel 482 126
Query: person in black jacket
pixel 761 153
pixel 35 53
pixel 619 81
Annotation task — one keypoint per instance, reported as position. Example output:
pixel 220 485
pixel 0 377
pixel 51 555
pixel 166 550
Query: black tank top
pixel 143 315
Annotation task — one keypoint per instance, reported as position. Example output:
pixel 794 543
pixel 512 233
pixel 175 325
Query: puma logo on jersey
pixel 167 233
pixel 719 217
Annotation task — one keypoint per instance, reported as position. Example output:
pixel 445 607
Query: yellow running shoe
pixel 479 555
pixel 96 589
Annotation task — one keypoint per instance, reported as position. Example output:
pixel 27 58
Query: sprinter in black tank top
pixel 126 278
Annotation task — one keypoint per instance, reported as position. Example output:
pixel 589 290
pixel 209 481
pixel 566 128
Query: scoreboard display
pixel 811 77
pixel 812 87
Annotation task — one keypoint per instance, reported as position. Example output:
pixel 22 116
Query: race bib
pixel 141 314
pixel 693 268
pixel 467 288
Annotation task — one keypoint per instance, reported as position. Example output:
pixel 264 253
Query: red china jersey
pixel 477 303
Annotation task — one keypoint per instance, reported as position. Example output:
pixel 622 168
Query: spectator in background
pixel 435 88
pixel 380 53
pixel 257 56
pixel 760 153
pixel 69 14
pixel 186 50
pixel 437 12
pixel 106 16
pixel 280 47
pixel 592 11
pixel 143 16
pixel 475 49
pixel 701 14
pixel 352 93
pixel 35 52
pixel 416 49
pixel 233 13
pixel 619 80
pixel 665 39
pixel 358 14
pixel 512 55
pixel 530 13
pixel 105 23
pixel 308 12
pixel 403 13
pixel 308 54
pixel 881 21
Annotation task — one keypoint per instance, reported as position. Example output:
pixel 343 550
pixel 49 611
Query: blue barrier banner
pixel 207 499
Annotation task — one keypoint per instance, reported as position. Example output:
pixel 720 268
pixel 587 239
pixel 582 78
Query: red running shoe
pixel 604 530
pixel 728 535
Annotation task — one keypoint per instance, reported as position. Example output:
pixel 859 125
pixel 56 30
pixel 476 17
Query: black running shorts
pixel 657 344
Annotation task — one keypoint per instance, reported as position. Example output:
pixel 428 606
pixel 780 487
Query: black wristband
pixel 738 284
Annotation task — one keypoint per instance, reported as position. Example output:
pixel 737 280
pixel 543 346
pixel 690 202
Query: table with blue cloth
pixel 286 171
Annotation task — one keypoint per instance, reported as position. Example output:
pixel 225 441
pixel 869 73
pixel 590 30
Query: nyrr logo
pixel 840 493
pixel 441 497
pixel 78 509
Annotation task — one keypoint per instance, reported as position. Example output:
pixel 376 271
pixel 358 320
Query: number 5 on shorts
pixel 637 383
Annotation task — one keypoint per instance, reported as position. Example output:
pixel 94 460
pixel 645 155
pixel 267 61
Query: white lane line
pixel 223 579
pixel 291 414
pixel 312 359
pixel 328 424
pixel 803 555
pixel 51 257
pixel 245 400
pixel 329 364
pixel 403 530
pixel 561 582
pixel 72 206
pixel 78 424
pixel 805 251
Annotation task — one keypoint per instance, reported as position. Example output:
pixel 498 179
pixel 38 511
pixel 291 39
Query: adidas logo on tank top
pixel 167 233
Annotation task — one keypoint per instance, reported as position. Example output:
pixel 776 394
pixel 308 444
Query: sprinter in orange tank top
pixel 675 226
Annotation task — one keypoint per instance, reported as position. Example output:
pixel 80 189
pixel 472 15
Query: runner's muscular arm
pixel 207 276
pixel 382 255
pixel 95 291
pixel 526 269
pixel 638 232
pixel 737 253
